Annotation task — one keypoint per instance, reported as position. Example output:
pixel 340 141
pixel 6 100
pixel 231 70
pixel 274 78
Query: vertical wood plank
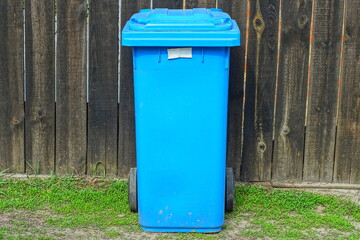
pixel 238 11
pixel 171 4
pixel 347 163
pixel 11 87
pixel 71 107
pixel 40 86
pixel 260 90
pixel 292 85
pixel 126 106
pixel 322 99
pixel 190 4
pixel 103 85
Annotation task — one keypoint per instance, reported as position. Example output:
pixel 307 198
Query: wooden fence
pixel 66 88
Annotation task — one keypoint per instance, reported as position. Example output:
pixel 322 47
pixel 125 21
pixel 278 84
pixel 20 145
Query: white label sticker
pixel 174 53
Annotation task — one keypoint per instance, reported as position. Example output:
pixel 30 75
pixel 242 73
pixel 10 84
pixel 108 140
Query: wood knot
pixel 286 29
pixel 346 36
pixel 40 113
pixel 15 121
pixel 302 21
pixel 258 23
pixel 285 131
pixel 261 147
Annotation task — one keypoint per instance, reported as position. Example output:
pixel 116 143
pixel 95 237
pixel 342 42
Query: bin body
pixel 181 124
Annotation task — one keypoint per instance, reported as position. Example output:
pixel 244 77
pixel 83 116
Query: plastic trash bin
pixel 181 69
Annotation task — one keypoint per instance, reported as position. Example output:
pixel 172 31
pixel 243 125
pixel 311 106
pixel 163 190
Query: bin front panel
pixel 181 116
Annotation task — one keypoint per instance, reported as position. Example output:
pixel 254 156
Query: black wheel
pixel 229 190
pixel 132 190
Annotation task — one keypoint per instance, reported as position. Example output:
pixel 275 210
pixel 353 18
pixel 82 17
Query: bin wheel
pixel 229 190
pixel 132 190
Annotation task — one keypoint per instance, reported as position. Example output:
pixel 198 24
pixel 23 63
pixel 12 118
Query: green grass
pixel 70 203
pixel 293 214
pixel 75 203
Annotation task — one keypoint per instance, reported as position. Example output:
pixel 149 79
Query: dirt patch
pixel 293 213
pixel 234 229
pixel 356 225
pixel 26 224
pixel 353 195
pixel 320 209
pixel 23 224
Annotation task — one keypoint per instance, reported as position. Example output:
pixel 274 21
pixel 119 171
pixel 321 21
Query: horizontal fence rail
pixel 67 102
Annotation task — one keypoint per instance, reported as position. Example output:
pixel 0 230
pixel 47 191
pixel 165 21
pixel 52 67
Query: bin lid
pixel 175 27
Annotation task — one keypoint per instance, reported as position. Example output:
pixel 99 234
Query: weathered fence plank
pixel 126 106
pixel 11 87
pixel 323 91
pixel 347 163
pixel 40 86
pixel 189 4
pixel 172 4
pixel 71 107
pixel 291 96
pixel 103 87
pixel 260 90
pixel 238 11
pixel 71 136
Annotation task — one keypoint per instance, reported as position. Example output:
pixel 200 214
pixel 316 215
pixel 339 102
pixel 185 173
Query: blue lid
pixel 190 27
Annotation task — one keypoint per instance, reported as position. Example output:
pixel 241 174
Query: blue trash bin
pixel 181 69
